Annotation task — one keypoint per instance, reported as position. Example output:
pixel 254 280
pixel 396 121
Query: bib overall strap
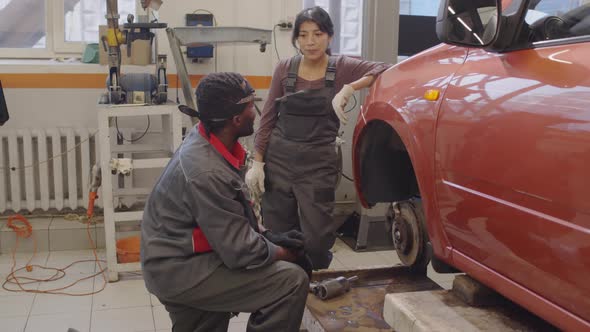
pixel 292 74
pixel 331 72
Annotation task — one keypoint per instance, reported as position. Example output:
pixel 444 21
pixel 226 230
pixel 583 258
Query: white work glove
pixel 340 100
pixel 255 177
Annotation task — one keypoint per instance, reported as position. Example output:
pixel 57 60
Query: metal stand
pixel 171 137
pixel 374 230
pixel 195 36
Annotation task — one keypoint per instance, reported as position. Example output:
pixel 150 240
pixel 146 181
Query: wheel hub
pixel 406 233
pixel 402 236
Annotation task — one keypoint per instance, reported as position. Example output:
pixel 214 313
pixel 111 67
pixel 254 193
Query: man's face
pixel 246 121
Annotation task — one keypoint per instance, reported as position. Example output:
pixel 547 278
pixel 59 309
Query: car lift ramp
pixel 410 302
pixel 198 36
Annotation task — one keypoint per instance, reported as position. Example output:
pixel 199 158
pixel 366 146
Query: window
pixel 347 16
pixel 22 24
pixel 48 28
pixel 82 18
pixel 417 18
pixel 557 19
pixel 419 7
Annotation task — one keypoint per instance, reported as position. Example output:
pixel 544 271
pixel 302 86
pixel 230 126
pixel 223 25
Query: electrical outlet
pixel 285 24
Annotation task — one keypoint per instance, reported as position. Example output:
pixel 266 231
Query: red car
pixel 483 143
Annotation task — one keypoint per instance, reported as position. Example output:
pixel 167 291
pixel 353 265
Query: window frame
pixel 55 43
pixel 335 12
pixel 552 42
pixel 60 43
pixel 35 53
pixel 560 41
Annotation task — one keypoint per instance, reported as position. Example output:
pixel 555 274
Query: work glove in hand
pixel 340 100
pixel 291 240
pixel 255 177
pixel 304 262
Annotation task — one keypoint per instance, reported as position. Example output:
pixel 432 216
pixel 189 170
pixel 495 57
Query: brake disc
pixel 407 234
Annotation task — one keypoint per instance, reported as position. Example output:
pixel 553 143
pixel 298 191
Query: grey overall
pixel 201 189
pixel 302 166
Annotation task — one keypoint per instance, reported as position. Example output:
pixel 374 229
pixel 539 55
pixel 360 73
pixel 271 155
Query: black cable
pixel 120 134
pixel 346 177
pixel 274 33
pixel 208 12
pixel 340 167
pixel 177 87
pixel 355 102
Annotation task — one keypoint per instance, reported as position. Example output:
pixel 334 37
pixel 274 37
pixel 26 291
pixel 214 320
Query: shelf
pixel 131 192
pixel 137 109
pixel 196 36
pixel 137 148
pixel 129 267
pixel 150 163
pixel 128 216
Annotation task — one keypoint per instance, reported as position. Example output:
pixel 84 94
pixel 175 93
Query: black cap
pixel 220 96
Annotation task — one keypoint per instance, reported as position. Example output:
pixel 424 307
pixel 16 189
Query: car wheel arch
pixel 384 164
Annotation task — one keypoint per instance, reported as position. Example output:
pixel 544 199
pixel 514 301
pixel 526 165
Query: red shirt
pixel 236 157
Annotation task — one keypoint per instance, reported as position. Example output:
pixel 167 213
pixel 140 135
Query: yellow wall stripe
pixel 94 81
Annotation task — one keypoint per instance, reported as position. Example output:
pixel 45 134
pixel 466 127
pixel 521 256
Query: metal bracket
pixel 196 36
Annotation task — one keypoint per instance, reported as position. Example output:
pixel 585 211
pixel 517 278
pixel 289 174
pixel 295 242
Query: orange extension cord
pixel 25 231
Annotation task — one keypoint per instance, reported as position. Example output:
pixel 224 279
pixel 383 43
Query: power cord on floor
pixel 24 231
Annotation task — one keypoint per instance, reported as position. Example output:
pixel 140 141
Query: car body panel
pixel 513 147
pixel 501 160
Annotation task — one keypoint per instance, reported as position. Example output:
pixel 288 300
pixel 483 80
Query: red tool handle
pixel 90 211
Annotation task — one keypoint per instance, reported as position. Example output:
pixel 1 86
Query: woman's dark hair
pixel 218 95
pixel 317 15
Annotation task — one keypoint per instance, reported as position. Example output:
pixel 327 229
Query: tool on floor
pixel 95 182
pixel 331 288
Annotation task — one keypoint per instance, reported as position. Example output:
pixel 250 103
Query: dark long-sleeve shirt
pixel 348 70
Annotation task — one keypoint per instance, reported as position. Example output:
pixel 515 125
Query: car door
pixel 513 157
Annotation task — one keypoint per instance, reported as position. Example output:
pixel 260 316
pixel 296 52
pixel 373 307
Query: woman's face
pixel 312 41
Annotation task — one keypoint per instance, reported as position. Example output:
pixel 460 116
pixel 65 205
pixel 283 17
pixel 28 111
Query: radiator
pixel 43 169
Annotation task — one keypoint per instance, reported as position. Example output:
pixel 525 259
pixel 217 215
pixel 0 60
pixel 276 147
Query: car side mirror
pixel 496 25
pixel 471 23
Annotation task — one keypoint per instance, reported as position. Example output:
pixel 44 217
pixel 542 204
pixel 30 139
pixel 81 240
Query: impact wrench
pixel 331 288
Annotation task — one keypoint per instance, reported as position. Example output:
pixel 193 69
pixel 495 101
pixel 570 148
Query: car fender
pixel 398 99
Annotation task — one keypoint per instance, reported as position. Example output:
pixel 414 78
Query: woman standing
pixel 296 165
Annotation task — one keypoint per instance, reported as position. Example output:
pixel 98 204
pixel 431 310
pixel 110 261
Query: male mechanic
pixel 203 254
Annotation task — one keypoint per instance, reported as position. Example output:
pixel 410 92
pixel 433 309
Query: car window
pixel 557 19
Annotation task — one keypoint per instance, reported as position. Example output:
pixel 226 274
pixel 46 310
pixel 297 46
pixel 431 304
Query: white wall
pixel 58 107
pixel 33 108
